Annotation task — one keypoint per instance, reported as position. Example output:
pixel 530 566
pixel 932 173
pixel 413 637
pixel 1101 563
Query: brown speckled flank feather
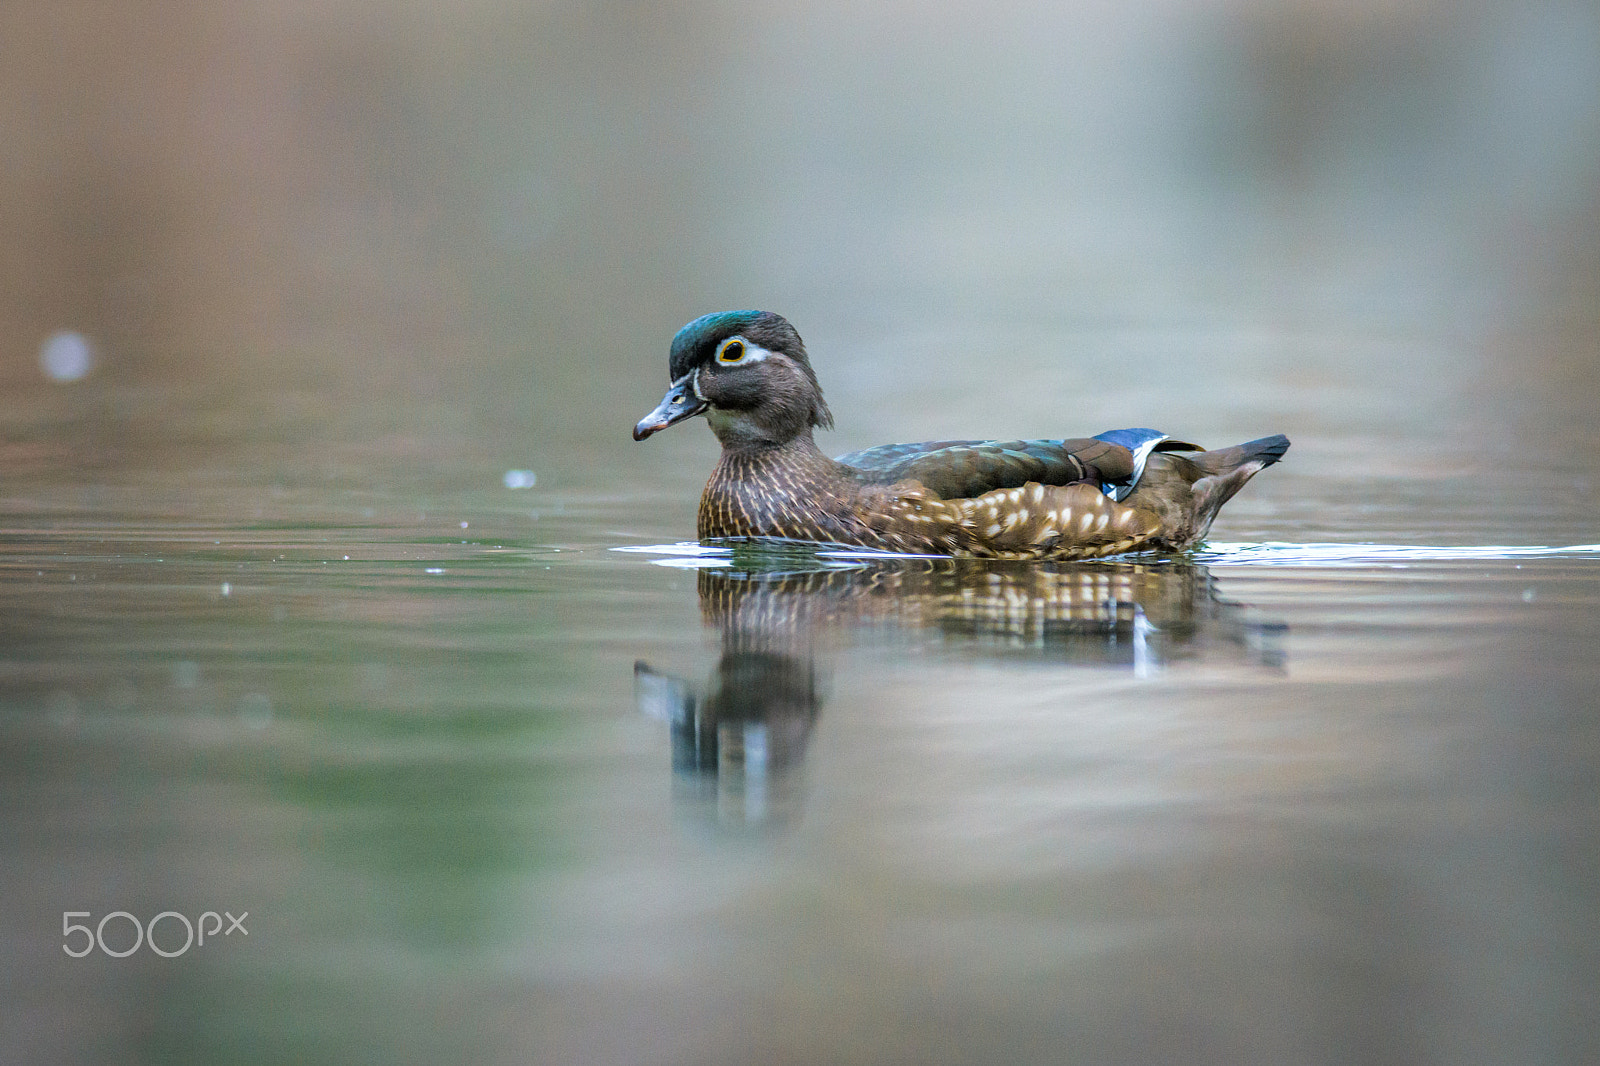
pixel 796 492
pixel 748 372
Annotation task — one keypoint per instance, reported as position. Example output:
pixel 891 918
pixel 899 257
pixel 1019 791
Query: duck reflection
pixel 734 750
pixel 738 740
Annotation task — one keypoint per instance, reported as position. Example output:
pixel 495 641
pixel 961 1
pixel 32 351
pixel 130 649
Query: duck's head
pixel 748 373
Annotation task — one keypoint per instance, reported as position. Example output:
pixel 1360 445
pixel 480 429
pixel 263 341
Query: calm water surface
pixel 492 790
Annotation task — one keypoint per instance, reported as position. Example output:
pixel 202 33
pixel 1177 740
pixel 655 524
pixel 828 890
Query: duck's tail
pixel 1263 453
pixel 1225 472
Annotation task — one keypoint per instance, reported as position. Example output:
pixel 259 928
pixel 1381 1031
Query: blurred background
pixel 407 233
pixel 323 327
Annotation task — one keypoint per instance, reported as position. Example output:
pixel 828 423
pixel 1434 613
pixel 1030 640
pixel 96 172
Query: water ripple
pixel 1272 553
pixel 1276 553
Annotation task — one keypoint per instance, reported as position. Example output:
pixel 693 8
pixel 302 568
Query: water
pixel 489 796
pixel 320 344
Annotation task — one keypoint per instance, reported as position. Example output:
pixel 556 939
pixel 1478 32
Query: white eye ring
pixel 736 351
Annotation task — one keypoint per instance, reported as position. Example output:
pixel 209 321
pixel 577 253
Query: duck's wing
pixel 961 469
pixel 958 469
pixel 1141 443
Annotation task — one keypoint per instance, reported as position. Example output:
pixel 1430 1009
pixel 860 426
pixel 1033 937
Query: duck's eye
pixel 732 350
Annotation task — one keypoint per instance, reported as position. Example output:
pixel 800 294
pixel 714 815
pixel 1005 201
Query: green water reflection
pixel 1043 800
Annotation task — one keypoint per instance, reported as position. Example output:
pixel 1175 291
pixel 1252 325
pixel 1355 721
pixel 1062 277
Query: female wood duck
pixel 1080 498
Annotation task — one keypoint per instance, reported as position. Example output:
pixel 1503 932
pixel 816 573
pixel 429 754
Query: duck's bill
pixel 679 403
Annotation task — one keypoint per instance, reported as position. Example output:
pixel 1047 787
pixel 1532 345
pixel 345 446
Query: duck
pixel 1121 491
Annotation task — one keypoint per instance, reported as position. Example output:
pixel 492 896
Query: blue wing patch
pixel 1141 442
